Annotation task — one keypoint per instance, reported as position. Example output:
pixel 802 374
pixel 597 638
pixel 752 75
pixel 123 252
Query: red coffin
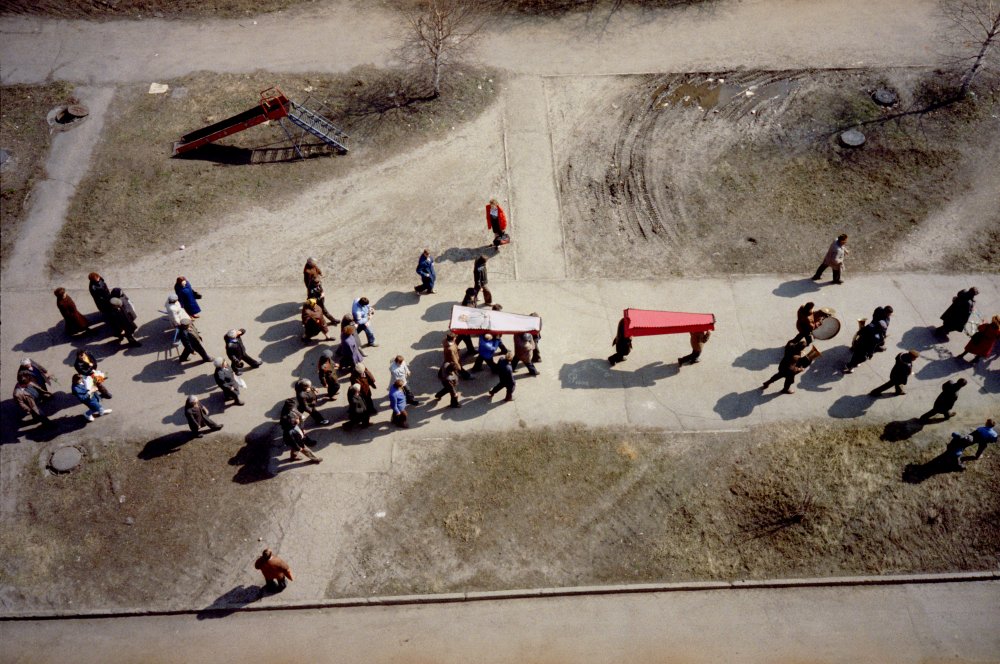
pixel 645 322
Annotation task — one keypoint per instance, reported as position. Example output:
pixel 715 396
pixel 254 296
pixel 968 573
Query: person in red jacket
pixel 496 221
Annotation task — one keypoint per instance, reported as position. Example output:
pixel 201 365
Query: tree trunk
pixel 437 76
pixel 970 75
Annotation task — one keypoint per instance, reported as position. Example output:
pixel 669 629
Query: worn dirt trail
pixel 779 34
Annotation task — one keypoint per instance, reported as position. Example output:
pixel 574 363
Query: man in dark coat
pixel 197 416
pixel 448 375
pixel 326 367
pixel 945 401
pixel 480 279
pixel 226 380
pixel 789 367
pixel 121 322
pixel 427 273
pixel 26 397
pixel 237 352
pixel 506 375
pixel 899 375
pixel 189 337
pixel 101 293
pixel 622 344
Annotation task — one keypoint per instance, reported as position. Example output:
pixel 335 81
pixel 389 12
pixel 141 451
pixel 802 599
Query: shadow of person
pixel 307 367
pixel 254 459
pixel 177 417
pixel 758 359
pixel 849 406
pixel 439 311
pixel 13 427
pixel 458 255
pixel 919 338
pixel 648 375
pixel 430 341
pixel 160 371
pixel 915 473
pixel 39 341
pixel 201 383
pixel 230 602
pixel 279 312
pixel 796 288
pixel 735 405
pixel 396 299
pixel 940 368
pixel 902 429
pixel 828 369
pixel 589 374
pixel 165 444
pixel 286 339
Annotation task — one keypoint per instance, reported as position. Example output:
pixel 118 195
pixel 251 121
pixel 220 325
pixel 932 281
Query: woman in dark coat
pixel 75 322
pixel 101 293
pixel 364 378
pixel 957 315
pixel 188 297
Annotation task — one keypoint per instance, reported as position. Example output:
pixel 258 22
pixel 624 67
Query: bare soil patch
pixel 571 505
pixel 24 134
pixel 125 531
pixel 742 172
pixel 156 201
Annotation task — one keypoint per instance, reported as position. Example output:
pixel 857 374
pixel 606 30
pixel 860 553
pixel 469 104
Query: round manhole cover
pixel 65 459
pixel 78 111
pixel 852 138
pixel 885 97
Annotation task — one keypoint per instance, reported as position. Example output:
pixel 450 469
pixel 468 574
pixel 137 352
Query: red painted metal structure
pixel 273 106
pixel 646 322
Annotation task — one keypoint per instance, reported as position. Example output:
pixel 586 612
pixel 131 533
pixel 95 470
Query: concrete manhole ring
pixel 852 138
pixel 885 97
pixel 65 459
pixel 63 117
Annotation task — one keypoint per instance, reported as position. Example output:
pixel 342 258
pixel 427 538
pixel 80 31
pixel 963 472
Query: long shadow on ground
pixel 230 602
pixel 741 404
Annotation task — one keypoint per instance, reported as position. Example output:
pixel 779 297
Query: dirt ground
pixel 135 9
pixel 140 519
pixel 24 134
pixel 571 506
pixel 162 201
pixel 742 172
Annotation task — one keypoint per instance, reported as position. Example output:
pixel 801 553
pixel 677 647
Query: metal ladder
pixel 317 125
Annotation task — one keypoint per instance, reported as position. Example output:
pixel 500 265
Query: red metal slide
pixel 271 107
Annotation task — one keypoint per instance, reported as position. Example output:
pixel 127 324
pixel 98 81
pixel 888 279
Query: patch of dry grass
pixel 112 9
pixel 125 531
pixel 153 200
pixel 572 505
pixel 24 133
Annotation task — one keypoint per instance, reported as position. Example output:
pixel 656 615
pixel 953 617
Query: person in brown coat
pixel 451 354
pixel 75 322
pixel 524 347
pixel 26 397
pixel 311 272
pixel 276 571
pixel 313 321
pixel 197 416
pixel 365 380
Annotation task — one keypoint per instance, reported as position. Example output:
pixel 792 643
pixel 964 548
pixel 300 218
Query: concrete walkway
pixel 954 622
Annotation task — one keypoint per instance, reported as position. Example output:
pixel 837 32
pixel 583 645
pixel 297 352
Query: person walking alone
pixel 190 340
pixel 188 296
pixel 496 221
pixel 834 259
pixel 197 416
pixel 276 571
pixel 945 401
pixel 427 273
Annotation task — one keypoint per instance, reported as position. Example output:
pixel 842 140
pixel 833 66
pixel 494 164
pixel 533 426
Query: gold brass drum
pixel 829 327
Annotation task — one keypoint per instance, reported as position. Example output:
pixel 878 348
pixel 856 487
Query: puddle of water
pixel 707 94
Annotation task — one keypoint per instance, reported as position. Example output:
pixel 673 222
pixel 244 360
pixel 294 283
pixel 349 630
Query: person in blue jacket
pixel 397 399
pixel 188 297
pixel 362 311
pixel 489 346
pixel 428 275
pixel 88 397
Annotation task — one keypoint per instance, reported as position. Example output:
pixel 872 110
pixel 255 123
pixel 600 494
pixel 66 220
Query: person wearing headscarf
pixel 306 398
pixel 496 221
pixel 365 379
pixel 357 409
pixel 313 322
pixel 397 400
pixel 101 293
pixel 956 316
pixel 75 321
pixel 188 296
pixel 191 340
pixel 36 375
pixel 26 397
pixel 85 364
pixel 226 380
pixel 175 312
pixel 311 272
pixel 237 352
pixel 197 416
pixel 316 292
pixel 348 353
pixel 982 342
pixel 326 367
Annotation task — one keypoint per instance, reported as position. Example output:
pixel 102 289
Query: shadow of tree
pixel 231 601
pixel 735 405
pixel 797 288
pixel 758 359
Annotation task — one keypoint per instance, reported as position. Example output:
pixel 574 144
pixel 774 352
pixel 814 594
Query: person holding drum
pixel 806 322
